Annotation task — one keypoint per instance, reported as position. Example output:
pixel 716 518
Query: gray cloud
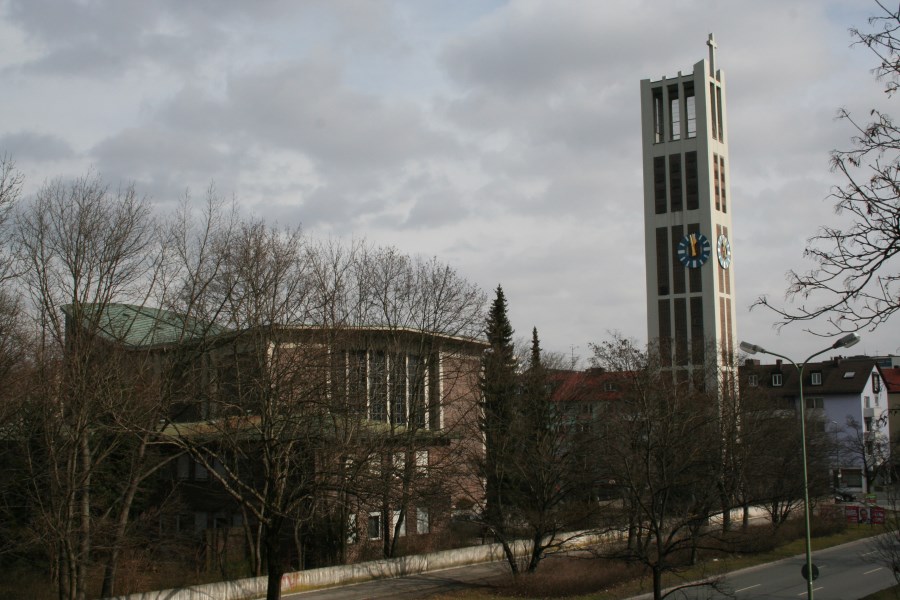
pixel 29 145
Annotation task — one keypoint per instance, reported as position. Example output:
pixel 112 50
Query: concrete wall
pixel 247 589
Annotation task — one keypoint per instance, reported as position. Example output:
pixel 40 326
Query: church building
pixel 687 220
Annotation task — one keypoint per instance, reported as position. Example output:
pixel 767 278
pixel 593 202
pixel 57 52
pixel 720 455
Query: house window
pixel 423 523
pixel 200 472
pixel 609 386
pixel 867 424
pixel 422 462
pixel 816 378
pixel 876 383
pixel 753 380
pixel 374 526
pixel 852 477
pixel 868 401
pixel 395 518
pixel 352 531
pixel 849 374
pixel 776 379
pixel 815 403
pixel 183 466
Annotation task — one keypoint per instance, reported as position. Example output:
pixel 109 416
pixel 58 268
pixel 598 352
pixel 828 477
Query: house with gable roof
pixel 846 398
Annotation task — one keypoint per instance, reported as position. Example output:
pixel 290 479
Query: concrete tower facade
pixel 687 219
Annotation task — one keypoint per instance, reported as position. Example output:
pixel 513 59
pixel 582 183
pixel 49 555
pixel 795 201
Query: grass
pixel 600 579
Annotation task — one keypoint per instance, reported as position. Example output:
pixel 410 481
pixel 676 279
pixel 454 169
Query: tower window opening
pixel 674 113
pixel 712 111
pixel 675 182
pixel 716 181
pixel 719 114
pixel 722 180
pixel 657 115
pixel 692 181
pixel 659 184
pixel 690 111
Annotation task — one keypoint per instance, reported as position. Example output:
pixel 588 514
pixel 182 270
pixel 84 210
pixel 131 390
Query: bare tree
pixel 856 283
pixel 660 445
pixel 83 248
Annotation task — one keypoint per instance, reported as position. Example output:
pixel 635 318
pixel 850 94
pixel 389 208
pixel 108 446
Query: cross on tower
pixel 711 42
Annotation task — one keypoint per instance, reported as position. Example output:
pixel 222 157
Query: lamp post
pixel 845 342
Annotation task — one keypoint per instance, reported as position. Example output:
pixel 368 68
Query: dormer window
pixel 816 378
pixel 753 380
pixel 849 374
pixel 776 380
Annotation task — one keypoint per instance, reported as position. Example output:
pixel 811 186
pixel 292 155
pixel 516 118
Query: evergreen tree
pixel 499 389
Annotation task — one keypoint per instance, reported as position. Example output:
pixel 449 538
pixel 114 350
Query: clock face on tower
pixel 723 251
pixel 694 250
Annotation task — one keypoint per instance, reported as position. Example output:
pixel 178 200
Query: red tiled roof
pixel 891 379
pixel 590 385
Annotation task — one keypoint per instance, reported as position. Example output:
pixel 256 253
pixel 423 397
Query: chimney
pixel 836 360
pixel 778 364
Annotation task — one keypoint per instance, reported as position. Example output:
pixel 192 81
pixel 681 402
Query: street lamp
pixel 845 342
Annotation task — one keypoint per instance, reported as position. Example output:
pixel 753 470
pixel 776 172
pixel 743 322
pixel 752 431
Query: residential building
pixel 847 399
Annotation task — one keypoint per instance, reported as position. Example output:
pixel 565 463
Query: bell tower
pixel 687 219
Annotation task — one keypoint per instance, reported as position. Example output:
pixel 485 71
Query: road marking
pixel 814 589
pixel 868 553
pixel 873 570
pixel 747 588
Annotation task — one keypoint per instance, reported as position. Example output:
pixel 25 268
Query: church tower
pixel 687 220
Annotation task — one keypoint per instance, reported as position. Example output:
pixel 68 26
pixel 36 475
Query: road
pixel 846 572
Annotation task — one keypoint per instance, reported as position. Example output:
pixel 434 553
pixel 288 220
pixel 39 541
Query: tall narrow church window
pixel 677 270
pixel 692 181
pixel 690 111
pixel 681 332
pixel 715 161
pixel 712 111
pixel 719 114
pixel 662 261
pixel 674 113
pixel 657 115
pixel 659 184
pixel 377 391
pixel 722 180
pixel 675 182
pixel 398 389
pixel 698 338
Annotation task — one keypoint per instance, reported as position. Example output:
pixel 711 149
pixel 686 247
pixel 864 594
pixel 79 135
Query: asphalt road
pixel 846 572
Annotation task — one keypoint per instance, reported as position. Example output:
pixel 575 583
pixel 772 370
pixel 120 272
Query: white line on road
pixel 873 570
pixel 868 553
pixel 747 588
pixel 814 589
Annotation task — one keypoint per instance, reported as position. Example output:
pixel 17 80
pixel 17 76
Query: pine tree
pixel 499 389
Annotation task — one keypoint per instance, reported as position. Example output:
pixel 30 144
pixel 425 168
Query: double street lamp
pixel 845 342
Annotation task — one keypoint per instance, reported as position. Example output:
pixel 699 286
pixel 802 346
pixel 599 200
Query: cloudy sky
pixel 502 137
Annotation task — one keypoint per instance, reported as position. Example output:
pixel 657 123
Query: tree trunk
pixel 85 545
pixel 657 583
pixel 112 564
pixel 274 566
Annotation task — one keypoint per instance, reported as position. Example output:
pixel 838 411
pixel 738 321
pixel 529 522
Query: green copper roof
pixel 141 326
